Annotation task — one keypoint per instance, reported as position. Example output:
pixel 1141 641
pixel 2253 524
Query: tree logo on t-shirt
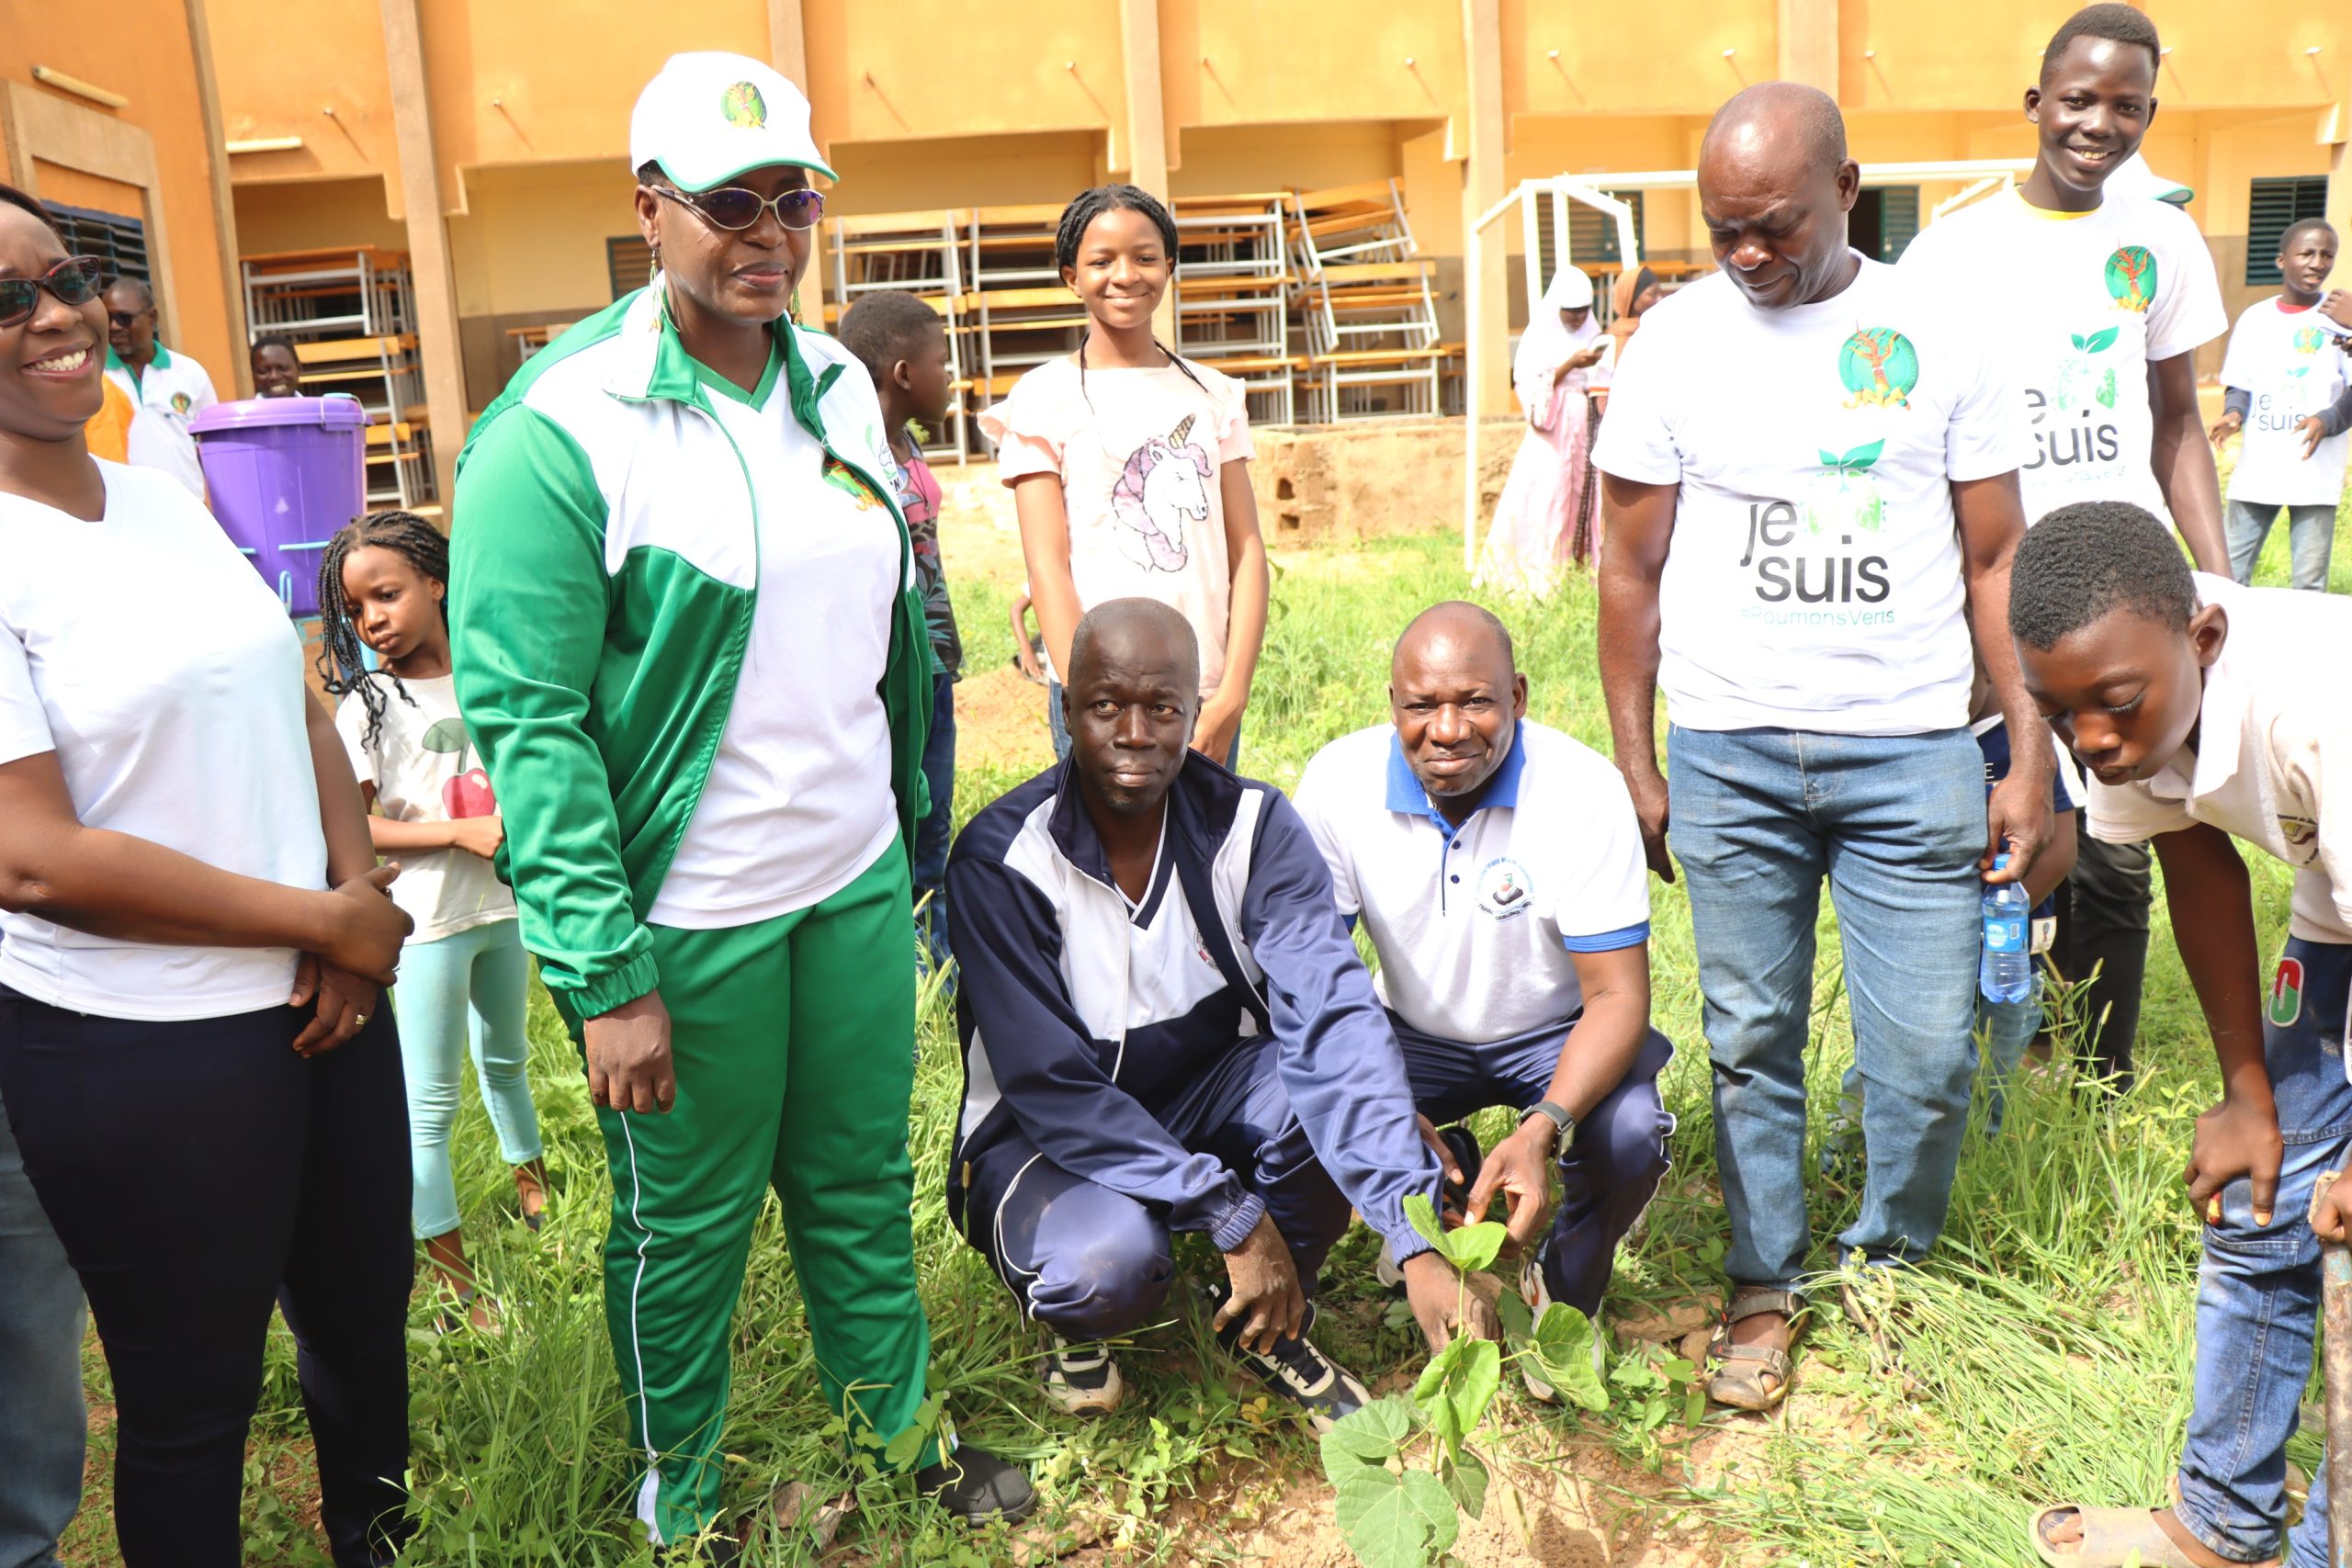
pixel 2307 340
pixel 1878 367
pixel 181 402
pixel 1843 497
pixel 1164 484
pixel 2132 277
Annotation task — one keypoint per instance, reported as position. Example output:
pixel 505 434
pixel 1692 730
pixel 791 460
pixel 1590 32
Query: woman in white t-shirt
pixel 1129 468
pixel 384 581
pixel 193 935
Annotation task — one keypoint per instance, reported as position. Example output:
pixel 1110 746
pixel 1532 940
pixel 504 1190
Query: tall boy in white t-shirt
pixel 2288 388
pixel 2208 713
pixel 2095 309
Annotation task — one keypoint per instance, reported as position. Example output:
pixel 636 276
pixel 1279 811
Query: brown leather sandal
pixel 1752 1377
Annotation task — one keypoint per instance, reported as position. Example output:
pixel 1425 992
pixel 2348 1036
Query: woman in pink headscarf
pixel 1533 532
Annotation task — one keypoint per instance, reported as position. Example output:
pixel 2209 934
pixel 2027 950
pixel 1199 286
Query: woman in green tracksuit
pixel 689 646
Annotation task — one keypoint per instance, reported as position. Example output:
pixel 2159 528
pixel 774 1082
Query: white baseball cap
pixel 706 118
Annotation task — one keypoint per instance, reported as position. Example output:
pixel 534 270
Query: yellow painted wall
pixel 881 72
pixel 143 50
pixel 1265 62
pixel 971 171
pixel 280 69
pixel 533 239
pixel 301 215
pixel 1668 59
pixel 552 81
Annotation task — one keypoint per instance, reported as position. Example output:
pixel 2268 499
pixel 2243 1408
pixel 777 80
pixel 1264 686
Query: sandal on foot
pixel 2112 1537
pixel 1740 1373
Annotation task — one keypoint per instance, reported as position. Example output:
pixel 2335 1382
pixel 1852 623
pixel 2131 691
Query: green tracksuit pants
pixel 794 1040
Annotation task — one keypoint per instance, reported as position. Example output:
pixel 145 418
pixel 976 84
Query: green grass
pixel 2044 1353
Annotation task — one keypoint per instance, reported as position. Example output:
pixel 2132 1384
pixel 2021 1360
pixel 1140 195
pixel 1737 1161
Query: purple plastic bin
pixel 282 474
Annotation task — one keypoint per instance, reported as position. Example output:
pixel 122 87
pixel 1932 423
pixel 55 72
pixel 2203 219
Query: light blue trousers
pixel 485 974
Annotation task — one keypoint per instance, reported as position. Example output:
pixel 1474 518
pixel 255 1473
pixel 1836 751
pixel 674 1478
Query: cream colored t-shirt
pixel 422 766
pixel 1139 453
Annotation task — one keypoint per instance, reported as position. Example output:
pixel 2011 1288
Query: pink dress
pixel 1528 546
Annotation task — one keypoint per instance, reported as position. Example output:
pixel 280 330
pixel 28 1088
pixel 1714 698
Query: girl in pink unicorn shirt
pixel 1128 467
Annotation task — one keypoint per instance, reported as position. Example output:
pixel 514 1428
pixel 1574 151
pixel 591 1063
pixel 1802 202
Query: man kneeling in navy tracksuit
pixel 1498 868
pixel 1166 1028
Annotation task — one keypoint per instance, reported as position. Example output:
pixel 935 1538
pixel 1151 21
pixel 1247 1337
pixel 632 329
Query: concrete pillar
pixel 428 244
pixel 788 53
pixel 1809 43
pixel 1486 280
pixel 1146 130
pixel 2336 135
pixel 237 378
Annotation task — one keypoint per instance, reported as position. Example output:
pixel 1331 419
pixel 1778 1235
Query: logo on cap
pixel 743 106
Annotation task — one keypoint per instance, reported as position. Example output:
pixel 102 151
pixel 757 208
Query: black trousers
pixel 2103 937
pixel 196 1172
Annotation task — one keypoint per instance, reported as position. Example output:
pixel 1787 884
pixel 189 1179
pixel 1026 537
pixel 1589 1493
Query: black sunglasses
pixel 733 208
pixel 73 280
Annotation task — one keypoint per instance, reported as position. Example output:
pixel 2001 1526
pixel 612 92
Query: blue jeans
pixel 933 833
pixel 482 972
pixel 1897 823
pixel 2005 1030
pixel 42 1418
pixel 1054 722
pixel 1609 1171
pixel 2257 1293
pixel 2310 539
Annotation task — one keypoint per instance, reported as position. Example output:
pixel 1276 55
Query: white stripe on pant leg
pixel 1028 1303
pixel 648 1493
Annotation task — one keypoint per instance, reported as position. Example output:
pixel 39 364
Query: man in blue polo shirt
pixel 1166 1028
pixel 1498 866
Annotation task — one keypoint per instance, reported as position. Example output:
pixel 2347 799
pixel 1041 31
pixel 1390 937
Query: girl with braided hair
pixel 383 582
pixel 1129 468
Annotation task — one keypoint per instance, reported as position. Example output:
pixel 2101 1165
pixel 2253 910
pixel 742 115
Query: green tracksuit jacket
pixel 603 565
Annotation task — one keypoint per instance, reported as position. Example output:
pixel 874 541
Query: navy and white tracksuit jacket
pixel 1091 1025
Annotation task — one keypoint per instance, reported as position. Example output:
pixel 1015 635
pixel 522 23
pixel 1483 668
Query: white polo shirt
pixel 2271 718
pixel 174 390
pixel 1476 926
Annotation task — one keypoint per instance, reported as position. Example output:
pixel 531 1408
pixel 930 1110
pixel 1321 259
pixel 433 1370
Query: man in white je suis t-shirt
pixel 1812 480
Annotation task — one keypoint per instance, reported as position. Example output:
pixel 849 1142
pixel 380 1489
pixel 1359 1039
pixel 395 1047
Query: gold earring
pixel 653 266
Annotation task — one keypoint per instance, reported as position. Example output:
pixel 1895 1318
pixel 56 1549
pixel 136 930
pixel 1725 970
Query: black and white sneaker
pixel 1082 1379
pixel 1296 1371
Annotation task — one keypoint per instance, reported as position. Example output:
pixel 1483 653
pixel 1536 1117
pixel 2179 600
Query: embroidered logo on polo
pixel 2285 993
pixel 743 107
pixel 180 402
pixel 844 478
pixel 2132 278
pixel 1505 889
pixel 1880 368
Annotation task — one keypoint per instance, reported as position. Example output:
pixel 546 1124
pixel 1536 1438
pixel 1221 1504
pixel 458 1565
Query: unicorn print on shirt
pixel 1163 485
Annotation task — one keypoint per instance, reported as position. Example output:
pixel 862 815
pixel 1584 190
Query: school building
pixel 439 183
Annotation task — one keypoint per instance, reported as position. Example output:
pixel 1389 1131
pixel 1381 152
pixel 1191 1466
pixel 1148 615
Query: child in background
pixel 2208 713
pixel 382 582
pixel 1129 468
pixel 903 344
pixel 2286 387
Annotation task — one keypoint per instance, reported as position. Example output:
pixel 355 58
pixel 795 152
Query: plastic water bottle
pixel 2005 973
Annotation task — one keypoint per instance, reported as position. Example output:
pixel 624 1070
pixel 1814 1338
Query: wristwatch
pixel 1555 1114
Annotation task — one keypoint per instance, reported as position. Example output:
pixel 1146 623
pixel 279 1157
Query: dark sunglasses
pixel 73 280
pixel 734 209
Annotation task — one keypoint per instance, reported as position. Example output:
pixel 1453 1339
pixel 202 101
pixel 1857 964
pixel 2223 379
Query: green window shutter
pixel 1898 221
pixel 120 242
pixel 1592 234
pixel 627 260
pixel 2272 207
